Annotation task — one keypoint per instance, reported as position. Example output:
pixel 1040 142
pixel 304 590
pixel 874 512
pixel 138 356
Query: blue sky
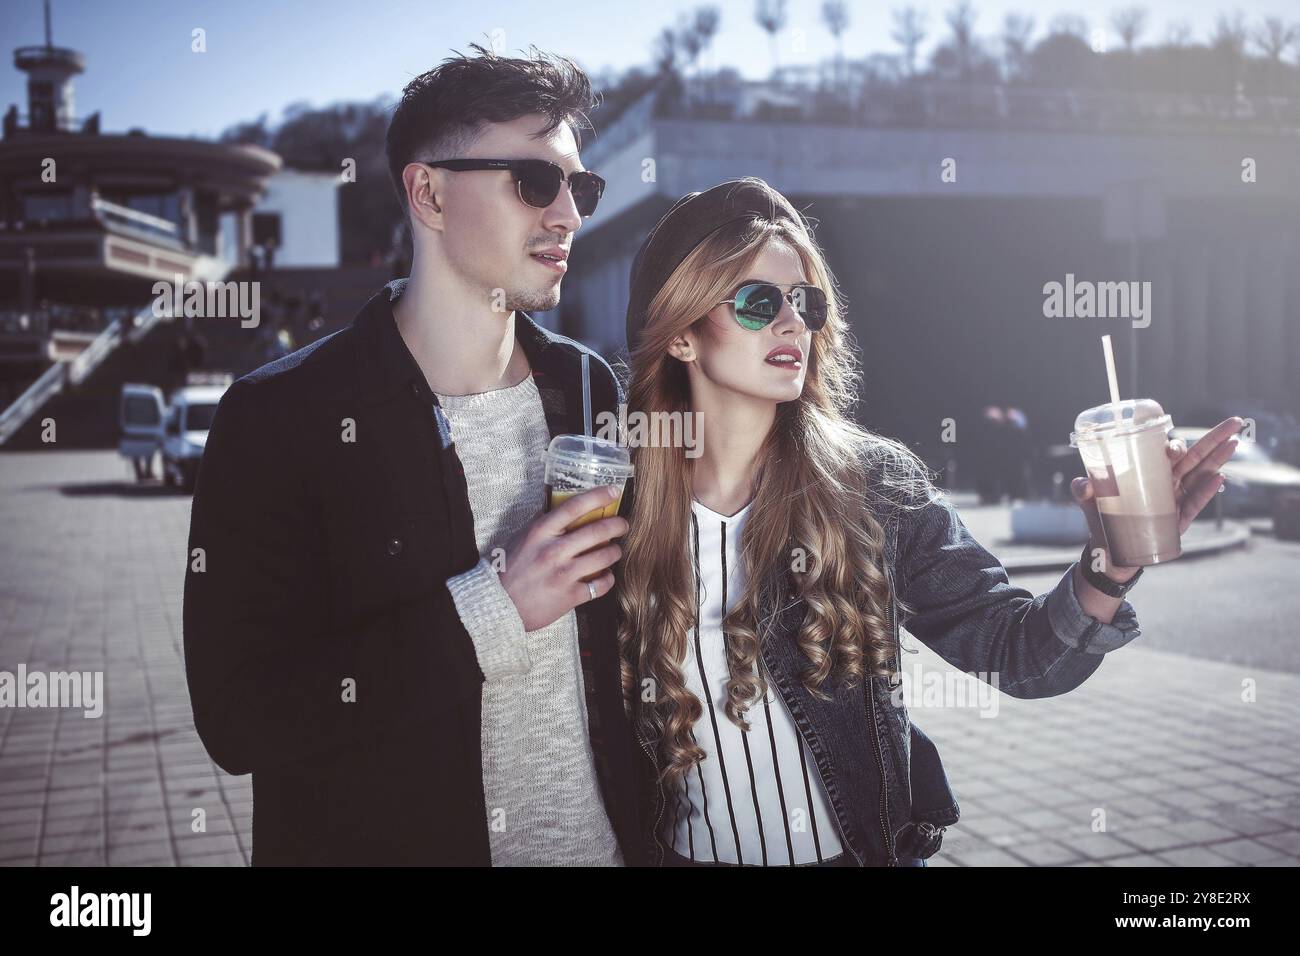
pixel 265 54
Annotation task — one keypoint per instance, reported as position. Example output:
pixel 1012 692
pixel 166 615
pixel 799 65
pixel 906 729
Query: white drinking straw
pixel 586 395
pixel 1110 374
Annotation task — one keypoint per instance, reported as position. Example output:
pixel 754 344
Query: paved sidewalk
pixel 1154 761
pixel 91 570
pixel 91 573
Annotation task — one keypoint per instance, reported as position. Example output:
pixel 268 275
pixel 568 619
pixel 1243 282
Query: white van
pixel 140 416
pixel 177 428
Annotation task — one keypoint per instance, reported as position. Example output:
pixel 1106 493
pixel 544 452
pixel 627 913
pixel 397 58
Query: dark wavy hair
pixel 443 111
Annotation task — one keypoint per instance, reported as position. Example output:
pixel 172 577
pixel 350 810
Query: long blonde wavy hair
pixel 809 530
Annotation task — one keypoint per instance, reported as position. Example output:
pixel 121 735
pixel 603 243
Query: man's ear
pixel 421 194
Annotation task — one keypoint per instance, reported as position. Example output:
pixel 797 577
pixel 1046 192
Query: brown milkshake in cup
pixel 576 463
pixel 1123 446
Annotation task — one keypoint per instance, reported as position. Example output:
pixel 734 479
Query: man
pixel 381 625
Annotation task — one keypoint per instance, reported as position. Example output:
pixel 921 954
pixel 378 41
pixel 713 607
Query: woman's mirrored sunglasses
pixel 757 304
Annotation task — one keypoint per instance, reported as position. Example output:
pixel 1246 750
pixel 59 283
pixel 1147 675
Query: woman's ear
pixel 680 349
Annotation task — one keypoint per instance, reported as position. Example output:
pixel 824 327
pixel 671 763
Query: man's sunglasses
pixel 757 304
pixel 538 180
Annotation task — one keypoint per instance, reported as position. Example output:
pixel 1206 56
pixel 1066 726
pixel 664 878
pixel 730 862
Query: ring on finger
pixel 591 589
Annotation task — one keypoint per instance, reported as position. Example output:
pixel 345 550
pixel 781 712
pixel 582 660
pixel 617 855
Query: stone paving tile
pixel 155 853
pixel 215 859
pixel 1040 852
pixel 1141 859
pixel 153 833
pixel 63 842
pixel 990 856
pixel 90 822
pixel 1195 856
pixel 1288 843
pixel 1155 838
pixel 75 858
pixel 1252 824
pixel 1099 846
pixel 18 849
pixel 1245 851
pixel 65 811
pixel 1044 820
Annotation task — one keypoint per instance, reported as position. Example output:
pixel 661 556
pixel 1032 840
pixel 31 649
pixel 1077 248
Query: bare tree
pixel 689 40
pixel 1229 45
pixel 835 14
pixel 1016 30
pixel 961 20
pixel 1274 38
pixel 909 32
pixel 666 50
pixel 1230 34
pixel 707 20
pixel 1129 24
pixel 771 16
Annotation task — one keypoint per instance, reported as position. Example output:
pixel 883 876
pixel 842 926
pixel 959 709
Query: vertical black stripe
pixel 753 790
pixel 704 795
pixel 776 767
pixel 807 789
pixel 676 806
pixel 684 794
pixel 708 695
pixel 744 736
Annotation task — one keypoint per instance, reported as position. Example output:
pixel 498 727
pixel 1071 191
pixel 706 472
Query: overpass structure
pixel 944 230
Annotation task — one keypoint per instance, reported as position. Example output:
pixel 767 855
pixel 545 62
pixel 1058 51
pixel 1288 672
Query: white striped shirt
pixel 757 797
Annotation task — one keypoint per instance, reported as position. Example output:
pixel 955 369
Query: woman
pixel 762 581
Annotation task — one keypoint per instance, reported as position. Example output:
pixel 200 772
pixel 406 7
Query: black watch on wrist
pixel 1098 580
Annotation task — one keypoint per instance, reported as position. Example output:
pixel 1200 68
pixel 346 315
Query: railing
pixel 28 57
pixel 866 102
pixel 57 377
pixel 30 401
pixel 22 122
pixel 133 222
pixel 63 374
pixel 93 354
pixel 58 318
pixel 112 212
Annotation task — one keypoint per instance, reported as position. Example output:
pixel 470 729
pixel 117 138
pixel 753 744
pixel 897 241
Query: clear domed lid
pixel 588 454
pixel 1113 420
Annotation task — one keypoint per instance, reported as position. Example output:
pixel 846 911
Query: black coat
pixel 322 568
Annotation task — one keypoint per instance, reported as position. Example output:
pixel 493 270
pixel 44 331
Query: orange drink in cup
pixel 577 463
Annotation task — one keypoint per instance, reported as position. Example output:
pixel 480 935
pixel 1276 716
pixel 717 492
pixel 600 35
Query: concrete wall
pixel 945 280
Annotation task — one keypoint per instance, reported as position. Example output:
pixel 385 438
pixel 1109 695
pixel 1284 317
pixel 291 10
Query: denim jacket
pixel 966 611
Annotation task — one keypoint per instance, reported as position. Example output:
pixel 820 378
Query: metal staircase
pixel 63 375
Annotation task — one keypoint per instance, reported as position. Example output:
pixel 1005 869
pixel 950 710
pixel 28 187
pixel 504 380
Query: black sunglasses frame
pixel 813 324
pixel 521 166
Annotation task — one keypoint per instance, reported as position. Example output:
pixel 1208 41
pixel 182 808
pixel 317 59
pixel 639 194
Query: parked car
pixel 177 427
pixel 1254 475
pixel 1276 429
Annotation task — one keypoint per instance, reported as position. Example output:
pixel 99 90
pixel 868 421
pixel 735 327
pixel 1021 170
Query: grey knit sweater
pixel 539 778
